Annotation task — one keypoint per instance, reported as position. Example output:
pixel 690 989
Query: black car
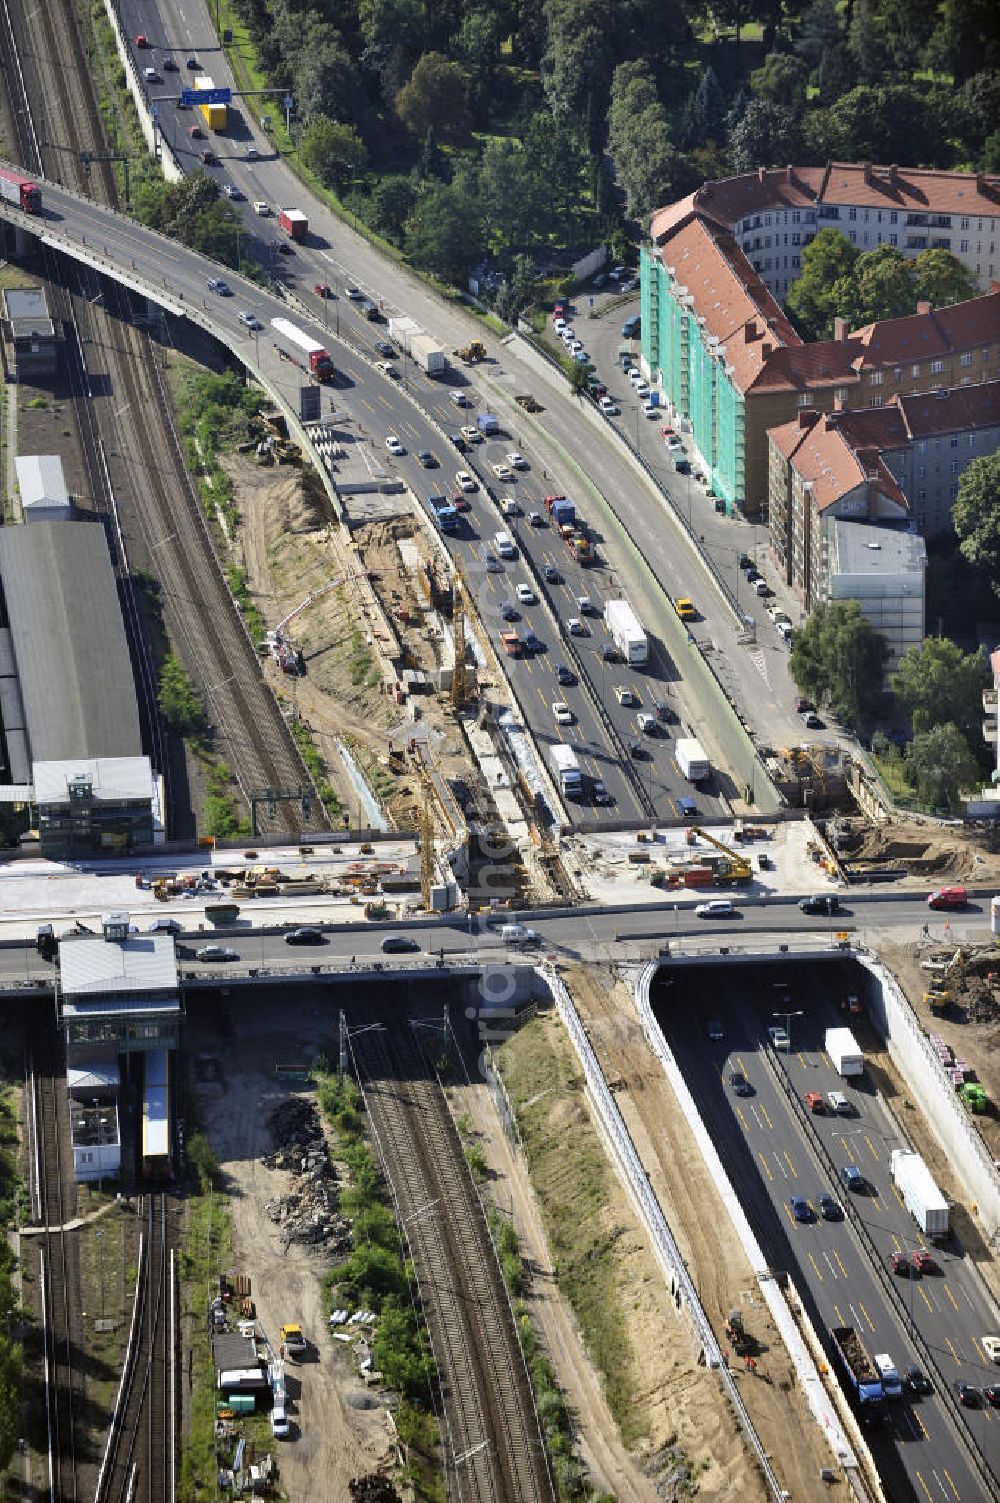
pixel 637 750
pixel 740 1084
pixel 829 1209
pixel 168 65
pixel 396 944
pixel 609 653
pixel 746 562
pixel 509 611
pixel 552 575
pixel 305 936
pixel 192 63
pixel 823 902
pixel 917 1380
pixel 385 349
pixel 800 1208
pixel 991 1393
pixel 665 713
pixel 427 459
pixel 533 643
pixel 967 1394
pixel 458 441
pixel 565 675
pixel 601 794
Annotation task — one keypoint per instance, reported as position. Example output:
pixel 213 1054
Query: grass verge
pixel 205 1252
pixel 574 1184
pixel 316 764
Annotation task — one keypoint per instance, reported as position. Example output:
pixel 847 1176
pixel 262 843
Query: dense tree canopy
pixel 838 660
pixel 976 515
pixel 937 682
pixel 592 112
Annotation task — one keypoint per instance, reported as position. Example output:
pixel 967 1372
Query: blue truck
pixel 488 424
pixel 859 1374
pixel 444 513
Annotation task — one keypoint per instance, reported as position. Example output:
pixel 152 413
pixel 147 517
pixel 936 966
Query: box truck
pixel 214 115
pixel 691 760
pixel 845 1054
pixel 921 1195
pixel 567 770
pixel 428 354
pixel 294 223
pixel 626 633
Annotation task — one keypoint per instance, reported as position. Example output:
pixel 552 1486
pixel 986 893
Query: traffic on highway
pixel 809 1149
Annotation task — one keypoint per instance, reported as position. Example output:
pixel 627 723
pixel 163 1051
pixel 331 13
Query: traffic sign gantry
pixel 192 97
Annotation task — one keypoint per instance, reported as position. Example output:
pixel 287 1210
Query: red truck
pixel 294 223
pixel 302 349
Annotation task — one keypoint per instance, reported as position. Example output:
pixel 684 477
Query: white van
pixel 517 934
pixel 839 1103
pixel 279 1420
pixel 504 544
pixel 888 1373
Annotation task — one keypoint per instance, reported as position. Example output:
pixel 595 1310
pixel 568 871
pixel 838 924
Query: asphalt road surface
pixel 770 1152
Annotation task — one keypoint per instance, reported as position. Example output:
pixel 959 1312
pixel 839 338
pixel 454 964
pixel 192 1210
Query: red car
pixel 142 40
pixel 948 897
pixel 460 501
pixel 815 1101
pixel 323 289
pixel 923 1261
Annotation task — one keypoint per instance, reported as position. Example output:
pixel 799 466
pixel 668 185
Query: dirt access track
pixel 698 1219
pixel 333 1440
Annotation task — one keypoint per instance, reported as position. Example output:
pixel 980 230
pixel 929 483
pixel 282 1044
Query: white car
pixel 673 442
pixel 558 324
pixel 354 293
pixel 493 565
pixel 231 191
pixel 567 332
pixel 525 594
pixel 561 710
pixel 517 461
pixel 465 482
pixel 459 398
pixel 471 434
pixel 509 507
pixel 717 908
pixel 610 407
pixel 250 321
pixel 625 695
pixel 393 445
pixel 635 376
pixel 502 471
pixel 641 390
pixel 576 627
pixel 215 952
pixel 575 346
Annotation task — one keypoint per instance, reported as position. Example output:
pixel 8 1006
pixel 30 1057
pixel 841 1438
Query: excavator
pixel 738 868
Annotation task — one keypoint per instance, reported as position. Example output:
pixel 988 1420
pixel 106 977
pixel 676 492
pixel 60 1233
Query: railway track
pixel 53 1204
pixel 139 1464
pixel 494 1448
pixel 135 467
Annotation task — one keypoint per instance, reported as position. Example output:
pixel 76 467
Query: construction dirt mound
pixel 373 1489
pixel 931 852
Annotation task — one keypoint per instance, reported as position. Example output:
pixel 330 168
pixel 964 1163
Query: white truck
pixel 402 331
pixel 921 1195
pixel 428 354
pixel 844 1051
pixel 691 759
pixel 626 632
pixel 567 770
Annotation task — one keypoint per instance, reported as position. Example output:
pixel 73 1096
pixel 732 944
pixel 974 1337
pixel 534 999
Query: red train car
pixel 21 191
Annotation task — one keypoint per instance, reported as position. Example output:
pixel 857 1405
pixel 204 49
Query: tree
pixel 833 76
pixel 867 41
pixel 990 160
pixel 444 232
pixel 325 78
pixel 577 64
pixel 782 80
pixel 838 660
pixel 941 766
pixel 393 33
pixel 979 109
pixel 434 96
pixel 884 123
pixel 938 683
pixel 332 150
pixel 578 378
pixel 502 191
pixel 478 44
pixel 179 704
pixel 767 134
pixel 392 203
pixel 639 142
pixel 966 39
pixel 827 259
pixel 976 516
pixel 820 31
pixel 940 278
pixel 708 109
pixel 880 287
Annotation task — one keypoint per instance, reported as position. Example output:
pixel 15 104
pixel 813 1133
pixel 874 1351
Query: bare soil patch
pixel 926 850
pixel 722 1275
pixel 670 1427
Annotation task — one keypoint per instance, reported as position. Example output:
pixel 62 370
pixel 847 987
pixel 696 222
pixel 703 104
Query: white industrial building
pixel 884 570
pixel 42 487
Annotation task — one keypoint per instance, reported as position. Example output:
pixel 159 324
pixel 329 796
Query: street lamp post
pixel 788 1016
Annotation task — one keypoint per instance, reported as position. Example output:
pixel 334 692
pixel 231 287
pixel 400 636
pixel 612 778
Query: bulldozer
pixel 472 353
pixel 740 1340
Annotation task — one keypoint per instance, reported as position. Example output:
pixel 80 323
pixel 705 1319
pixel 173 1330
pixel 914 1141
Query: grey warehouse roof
pixel 28 311
pixel 96 966
pixel 861 549
pixel 41 481
pixel 69 641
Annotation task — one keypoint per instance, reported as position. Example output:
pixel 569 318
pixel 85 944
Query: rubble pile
pixel 308 1214
pixel 372 1489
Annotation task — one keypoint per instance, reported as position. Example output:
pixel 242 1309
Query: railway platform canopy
pixel 118 989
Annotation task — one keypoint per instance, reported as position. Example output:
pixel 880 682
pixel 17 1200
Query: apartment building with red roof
pixel 729 362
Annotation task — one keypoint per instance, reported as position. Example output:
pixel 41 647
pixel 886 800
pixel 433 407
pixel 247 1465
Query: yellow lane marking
pixel 840 1265
pixel 871 1323
pixel 923 1484
pixel 765 1165
pixel 815 1268
pixel 923 1295
pixel 948 1478
pixel 871 1147
pixel 795 1172
pixel 767 1119
pixel 954 1301
pixel 951 1347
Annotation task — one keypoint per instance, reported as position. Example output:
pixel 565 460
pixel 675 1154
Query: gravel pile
pixel 309 1213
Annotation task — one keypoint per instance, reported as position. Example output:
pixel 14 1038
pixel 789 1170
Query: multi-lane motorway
pixel 774 1150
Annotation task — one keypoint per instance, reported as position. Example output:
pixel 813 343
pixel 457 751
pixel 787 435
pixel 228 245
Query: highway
pixel 603 729
pixel 769 1151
